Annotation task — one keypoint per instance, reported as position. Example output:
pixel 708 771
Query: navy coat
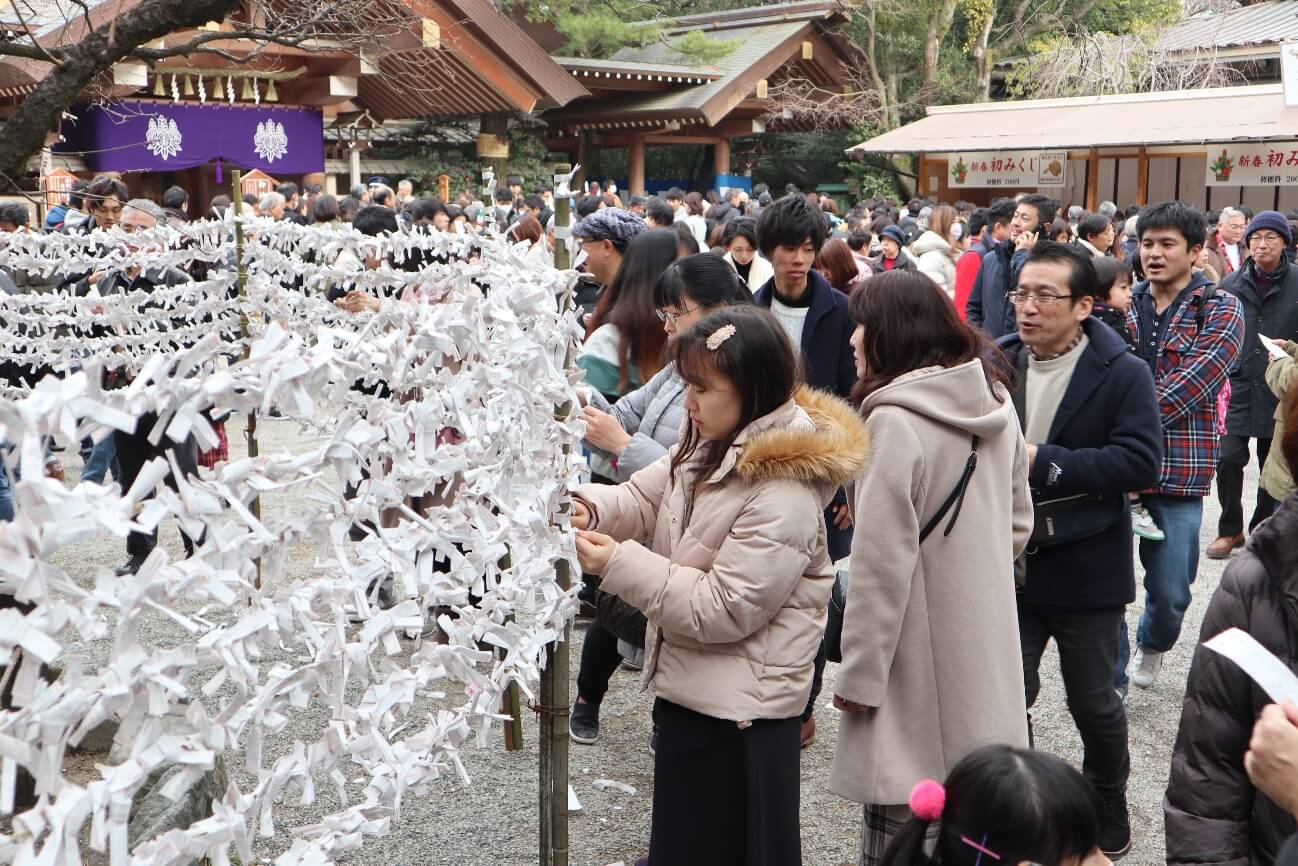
pixel 828 364
pixel 987 307
pixel 1252 405
pixel 1105 438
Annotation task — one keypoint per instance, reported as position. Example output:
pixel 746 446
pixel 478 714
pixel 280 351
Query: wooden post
pixel 554 679
pixel 1092 180
pixel 635 165
pixel 921 185
pixel 236 196
pixel 511 701
pixel 1142 177
pixel 721 157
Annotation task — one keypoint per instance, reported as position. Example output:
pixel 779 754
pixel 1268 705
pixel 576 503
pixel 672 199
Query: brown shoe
pixel 1224 545
pixel 808 732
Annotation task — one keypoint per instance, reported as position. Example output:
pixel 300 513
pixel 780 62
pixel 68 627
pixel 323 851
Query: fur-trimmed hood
pixel 815 437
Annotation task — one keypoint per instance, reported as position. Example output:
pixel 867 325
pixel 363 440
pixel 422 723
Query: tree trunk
pixel 982 57
pixel 939 24
pixel 83 62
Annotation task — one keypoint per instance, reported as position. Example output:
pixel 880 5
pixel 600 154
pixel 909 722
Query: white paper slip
pixel 1267 671
pixel 574 805
pixel 1273 348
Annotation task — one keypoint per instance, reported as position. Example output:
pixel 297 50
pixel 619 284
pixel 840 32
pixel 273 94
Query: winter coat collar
pixel 822 299
pixel 815 438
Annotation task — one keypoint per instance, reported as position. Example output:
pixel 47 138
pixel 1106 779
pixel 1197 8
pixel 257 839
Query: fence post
pixel 250 433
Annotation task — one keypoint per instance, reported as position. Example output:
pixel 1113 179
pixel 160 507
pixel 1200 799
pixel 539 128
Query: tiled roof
pixel 1260 24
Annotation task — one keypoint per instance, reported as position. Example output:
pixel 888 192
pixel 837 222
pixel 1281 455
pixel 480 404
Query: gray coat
pixel 1252 405
pixel 652 414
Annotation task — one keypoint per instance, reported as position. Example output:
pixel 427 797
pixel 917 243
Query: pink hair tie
pixel 927 800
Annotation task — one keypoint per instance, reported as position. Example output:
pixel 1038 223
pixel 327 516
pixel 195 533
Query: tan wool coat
pixel 930 634
pixel 1280 374
pixel 735 584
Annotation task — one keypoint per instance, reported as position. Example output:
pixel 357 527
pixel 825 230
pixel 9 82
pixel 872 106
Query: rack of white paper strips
pixel 476 345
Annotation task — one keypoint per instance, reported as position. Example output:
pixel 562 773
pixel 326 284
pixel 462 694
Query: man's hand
pixel 842 516
pixel 1026 241
pixel 603 431
pixel 848 706
pixel 1272 757
pixel 594 550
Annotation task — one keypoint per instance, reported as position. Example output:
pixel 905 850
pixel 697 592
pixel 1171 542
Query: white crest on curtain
pixel 163 139
pixel 270 141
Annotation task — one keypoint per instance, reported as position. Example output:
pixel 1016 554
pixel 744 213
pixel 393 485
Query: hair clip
pixel 927 800
pixel 719 336
pixel 981 848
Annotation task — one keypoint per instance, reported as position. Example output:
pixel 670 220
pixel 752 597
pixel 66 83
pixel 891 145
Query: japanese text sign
pixel 1258 163
pixel 1008 168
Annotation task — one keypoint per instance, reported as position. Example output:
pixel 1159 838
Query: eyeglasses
pixel 1043 301
pixel 1265 238
pixel 671 317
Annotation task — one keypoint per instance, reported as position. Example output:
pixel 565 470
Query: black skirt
pixel 724 796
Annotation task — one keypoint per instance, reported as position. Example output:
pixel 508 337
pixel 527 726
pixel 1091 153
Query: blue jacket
pixel 828 365
pixel 1105 438
pixel 987 307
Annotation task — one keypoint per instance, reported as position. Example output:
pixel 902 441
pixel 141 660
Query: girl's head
pixel 1022 806
pixel 1114 282
pixel 694 286
pixel 528 229
pixel 905 322
pixel 940 222
pixel 628 303
pixel 694 203
pixel 740 239
pixel 836 265
pixel 738 365
pixel 1061 232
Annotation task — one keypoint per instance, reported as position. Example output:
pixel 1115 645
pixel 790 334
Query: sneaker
pixel 583 724
pixel 1122 691
pixel 131 566
pixel 1147 667
pixel 1115 829
pixel 808 732
pixel 1142 523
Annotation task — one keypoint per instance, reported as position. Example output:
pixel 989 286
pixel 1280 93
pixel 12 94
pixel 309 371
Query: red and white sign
pixel 1012 169
pixel 1258 163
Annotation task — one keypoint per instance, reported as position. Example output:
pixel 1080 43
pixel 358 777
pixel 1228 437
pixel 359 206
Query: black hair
pixel 627 304
pixel 250 198
pixel 288 189
pixel 859 239
pixel 1000 213
pixel 380 196
pixel 759 361
pixel 15 213
pixel 324 209
pixel 978 221
pixel 759 189
pixel 504 196
pixel 220 204
pixel 685 237
pixel 1246 211
pixel 1107 271
pixel 1045 205
pixel 347 207
pixel 705 279
pixel 104 187
pixel 1132 210
pixel 1091 225
pixel 175 198
pixel 425 209
pixel 357 190
pixel 375 219
pixel 1025 806
pixel 514 180
pixel 1082 281
pixel 1176 216
pixel 587 205
pixel 534 201
pixel 740 227
pixel 659 211
pixel 790 222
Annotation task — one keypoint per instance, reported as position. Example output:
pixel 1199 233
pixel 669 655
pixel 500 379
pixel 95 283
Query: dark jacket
pixel 1252 405
pixel 904 263
pixel 1104 439
pixel 988 308
pixel 828 365
pixel 1115 319
pixel 1211 812
pixel 1288 855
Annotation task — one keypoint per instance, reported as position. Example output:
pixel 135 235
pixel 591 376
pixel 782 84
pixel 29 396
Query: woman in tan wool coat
pixel 931 665
pixel 734 585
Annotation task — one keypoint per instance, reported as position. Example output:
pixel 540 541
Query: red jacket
pixel 966 272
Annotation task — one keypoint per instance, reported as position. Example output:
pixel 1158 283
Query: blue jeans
pixel 1170 568
pixel 99 459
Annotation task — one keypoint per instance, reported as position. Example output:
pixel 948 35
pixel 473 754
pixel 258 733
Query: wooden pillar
pixel 493 144
pixel 314 177
pixel 1092 180
pixel 635 165
pixel 356 164
pixel 921 186
pixel 1142 177
pixel 721 157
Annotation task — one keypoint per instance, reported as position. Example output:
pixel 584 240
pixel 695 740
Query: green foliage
pixel 527 157
pixel 699 46
pixel 601 33
pixel 1128 16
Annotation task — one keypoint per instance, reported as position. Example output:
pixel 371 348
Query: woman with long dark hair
pixel 734 586
pixel 931 665
pixel 625 340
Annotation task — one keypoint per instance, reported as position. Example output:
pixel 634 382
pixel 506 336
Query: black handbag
pixel 1067 519
pixel 838 595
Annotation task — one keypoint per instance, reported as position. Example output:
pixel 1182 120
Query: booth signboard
pixel 1008 168
pixel 57 184
pixel 257 182
pixel 1258 163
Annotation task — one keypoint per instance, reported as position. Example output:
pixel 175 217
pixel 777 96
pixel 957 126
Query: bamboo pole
pixel 250 434
pixel 554 679
pixel 511 701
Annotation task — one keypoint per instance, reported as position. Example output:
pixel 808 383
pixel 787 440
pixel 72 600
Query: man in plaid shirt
pixel 1189 333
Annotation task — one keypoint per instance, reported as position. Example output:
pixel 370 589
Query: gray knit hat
pixel 610 224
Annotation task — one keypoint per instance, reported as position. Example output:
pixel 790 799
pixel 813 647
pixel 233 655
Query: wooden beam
pixel 1142 178
pixel 1092 180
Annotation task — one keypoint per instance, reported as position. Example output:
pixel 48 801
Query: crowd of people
pixel 972 410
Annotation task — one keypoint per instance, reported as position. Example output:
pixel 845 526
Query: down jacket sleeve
pixel 628 510
pixel 884 559
pixel 1209 798
pixel 756 568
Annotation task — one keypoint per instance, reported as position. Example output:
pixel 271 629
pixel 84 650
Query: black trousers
pixel 724 796
pixel 1088 650
pixel 817 680
pixel 133 451
pixel 599 659
pixel 1230 485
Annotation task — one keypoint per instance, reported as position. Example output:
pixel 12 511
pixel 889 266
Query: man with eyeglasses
pixel 1090 420
pixel 1226 250
pixel 1267 289
pixel 1189 333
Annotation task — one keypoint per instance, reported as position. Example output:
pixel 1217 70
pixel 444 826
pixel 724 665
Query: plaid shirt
pixel 1190 365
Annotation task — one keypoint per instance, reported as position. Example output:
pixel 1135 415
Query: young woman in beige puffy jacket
pixel 734 584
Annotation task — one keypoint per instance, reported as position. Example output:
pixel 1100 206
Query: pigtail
pixel 907 847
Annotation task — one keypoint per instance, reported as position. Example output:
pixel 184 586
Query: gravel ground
pixel 494 820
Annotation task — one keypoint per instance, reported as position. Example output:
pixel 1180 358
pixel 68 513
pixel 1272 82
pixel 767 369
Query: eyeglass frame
pixel 1042 301
pixel 665 317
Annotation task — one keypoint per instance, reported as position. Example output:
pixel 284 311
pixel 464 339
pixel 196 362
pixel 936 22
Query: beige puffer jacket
pixel 735 589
